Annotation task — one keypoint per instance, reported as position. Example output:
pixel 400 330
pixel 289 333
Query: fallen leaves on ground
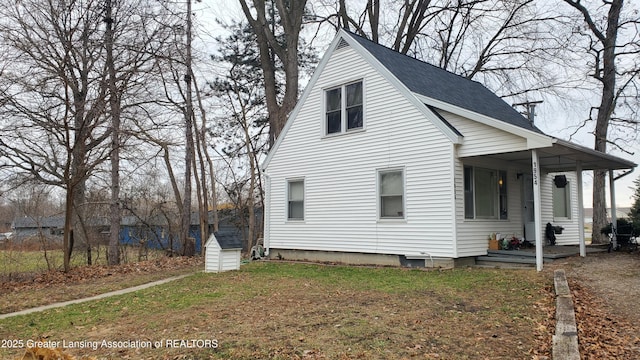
pixel 601 334
pixel 86 273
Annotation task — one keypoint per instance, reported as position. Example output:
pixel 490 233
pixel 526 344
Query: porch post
pixel 583 247
pixel 537 211
pixel 614 220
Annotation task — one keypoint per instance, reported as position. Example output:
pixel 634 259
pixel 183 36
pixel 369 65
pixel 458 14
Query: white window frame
pixel 379 195
pixel 497 193
pixel 567 199
pixel 343 109
pixel 288 200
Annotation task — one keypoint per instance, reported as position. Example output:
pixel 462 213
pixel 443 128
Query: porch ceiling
pixel 564 156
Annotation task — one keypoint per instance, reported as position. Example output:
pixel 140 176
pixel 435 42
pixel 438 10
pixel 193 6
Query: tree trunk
pixel 291 14
pixel 66 239
pixel 607 76
pixel 188 156
pixel 114 218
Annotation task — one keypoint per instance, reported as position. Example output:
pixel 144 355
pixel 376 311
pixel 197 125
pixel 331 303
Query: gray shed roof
pixel 44 222
pixel 439 84
pixel 229 239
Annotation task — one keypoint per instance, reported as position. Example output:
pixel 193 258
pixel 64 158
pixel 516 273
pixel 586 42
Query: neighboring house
pixel 156 231
pixel 28 226
pixel 386 159
pixel 621 213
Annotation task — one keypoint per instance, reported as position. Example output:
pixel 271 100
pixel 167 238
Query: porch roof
pixel 564 156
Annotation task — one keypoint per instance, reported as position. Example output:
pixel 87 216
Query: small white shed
pixel 222 252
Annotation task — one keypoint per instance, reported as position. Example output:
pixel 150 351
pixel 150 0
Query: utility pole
pixel 530 109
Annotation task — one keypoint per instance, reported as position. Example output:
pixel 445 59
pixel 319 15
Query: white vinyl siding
pixel 218 259
pixel 480 139
pixel 570 224
pixel 341 173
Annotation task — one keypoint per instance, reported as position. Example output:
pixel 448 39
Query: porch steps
pixel 508 258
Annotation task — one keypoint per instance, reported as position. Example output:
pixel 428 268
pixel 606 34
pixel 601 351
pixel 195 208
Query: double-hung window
pixel 344 109
pixel 295 203
pixel 391 192
pixel 485 193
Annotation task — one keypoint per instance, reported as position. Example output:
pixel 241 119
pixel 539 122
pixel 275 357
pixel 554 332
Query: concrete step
pixel 507 259
pixel 496 260
pixel 526 254
pixel 502 265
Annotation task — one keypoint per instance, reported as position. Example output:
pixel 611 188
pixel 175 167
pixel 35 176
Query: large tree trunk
pixel 605 111
pixel 188 157
pixel 291 14
pixel 114 218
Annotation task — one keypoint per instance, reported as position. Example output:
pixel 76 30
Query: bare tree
pixel 114 226
pixel 612 37
pixel 277 25
pixel 54 127
pixel 507 45
pixel 56 124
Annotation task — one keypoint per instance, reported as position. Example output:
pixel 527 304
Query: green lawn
pixel 283 311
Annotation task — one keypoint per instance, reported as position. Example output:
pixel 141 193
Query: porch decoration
pixel 494 244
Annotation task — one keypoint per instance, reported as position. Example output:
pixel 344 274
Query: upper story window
pixel 485 194
pixel 344 108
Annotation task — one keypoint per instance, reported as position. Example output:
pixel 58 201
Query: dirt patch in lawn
pixel 606 292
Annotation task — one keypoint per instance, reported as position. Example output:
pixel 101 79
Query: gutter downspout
pixel 266 213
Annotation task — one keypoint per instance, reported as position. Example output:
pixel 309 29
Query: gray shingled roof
pixel 229 239
pixel 44 222
pixel 436 83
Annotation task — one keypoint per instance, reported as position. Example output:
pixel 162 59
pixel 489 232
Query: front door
pixel 528 213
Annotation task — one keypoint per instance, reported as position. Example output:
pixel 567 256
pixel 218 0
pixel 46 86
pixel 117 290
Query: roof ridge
pixel 414 58
pixel 442 85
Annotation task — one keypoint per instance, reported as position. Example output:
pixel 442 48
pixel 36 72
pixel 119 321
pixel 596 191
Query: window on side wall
pixel 391 192
pixel 295 204
pixel 561 201
pixel 344 110
pixel 485 194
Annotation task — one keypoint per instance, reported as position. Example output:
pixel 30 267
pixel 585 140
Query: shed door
pixel 528 217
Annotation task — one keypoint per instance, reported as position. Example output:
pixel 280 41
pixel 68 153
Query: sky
pixel 556 118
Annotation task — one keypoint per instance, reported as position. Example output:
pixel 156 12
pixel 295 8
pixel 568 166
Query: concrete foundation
pixel 369 259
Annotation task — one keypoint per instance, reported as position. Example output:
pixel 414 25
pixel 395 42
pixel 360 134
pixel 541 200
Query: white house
pixel 386 159
pixel 222 252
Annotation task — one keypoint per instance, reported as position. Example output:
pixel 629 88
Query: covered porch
pixel 564 156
